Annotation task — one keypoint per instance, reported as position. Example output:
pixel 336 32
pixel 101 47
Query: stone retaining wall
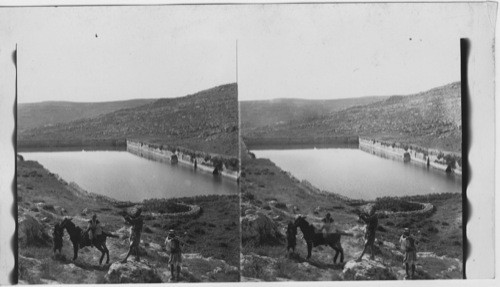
pixel 396 152
pixel 193 211
pixel 158 153
pixel 427 209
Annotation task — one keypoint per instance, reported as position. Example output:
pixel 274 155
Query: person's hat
pixel 407 230
pixel 94 216
pixel 171 232
pixel 136 211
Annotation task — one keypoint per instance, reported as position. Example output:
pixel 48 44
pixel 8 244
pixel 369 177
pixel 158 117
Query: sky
pixel 328 52
pixel 115 53
pixel 284 51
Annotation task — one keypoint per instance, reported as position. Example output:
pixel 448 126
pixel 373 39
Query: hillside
pixel 271 198
pixel 430 119
pixel 207 120
pixel 210 249
pixel 255 114
pixel 32 115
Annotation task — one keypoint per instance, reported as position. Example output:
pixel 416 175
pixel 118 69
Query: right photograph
pixel 351 156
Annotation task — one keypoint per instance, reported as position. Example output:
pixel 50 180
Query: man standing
pixel 173 247
pixel 94 229
pixel 408 246
pixel 371 221
pixel 135 235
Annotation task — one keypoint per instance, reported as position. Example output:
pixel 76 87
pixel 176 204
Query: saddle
pixel 85 240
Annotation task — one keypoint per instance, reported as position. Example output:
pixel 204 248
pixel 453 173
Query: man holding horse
pixel 291 237
pixel 371 221
pixel 135 235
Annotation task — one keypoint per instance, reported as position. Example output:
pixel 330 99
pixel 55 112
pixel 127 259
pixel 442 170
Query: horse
pixel 81 239
pixel 314 238
pixel 291 233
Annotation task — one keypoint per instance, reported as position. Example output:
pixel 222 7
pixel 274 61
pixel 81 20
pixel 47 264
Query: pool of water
pixel 360 175
pixel 124 176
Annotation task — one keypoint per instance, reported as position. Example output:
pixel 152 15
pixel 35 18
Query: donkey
pixel 80 239
pixel 314 238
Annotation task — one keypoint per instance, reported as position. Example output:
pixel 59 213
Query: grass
pixel 263 182
pixel 213 233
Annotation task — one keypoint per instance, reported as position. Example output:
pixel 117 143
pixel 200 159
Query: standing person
pixel 135 235
pixel 94 229
pixel 173 246
pixel 291 237
pixel 371 221
pixel 327 226
pixel 408 246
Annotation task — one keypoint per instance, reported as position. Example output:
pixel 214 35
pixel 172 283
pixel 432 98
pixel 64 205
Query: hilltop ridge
pixel 207 120
pixel 431 119
pixel 33 115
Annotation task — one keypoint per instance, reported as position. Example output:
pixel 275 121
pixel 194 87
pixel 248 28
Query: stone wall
pixel 161 154
pixel 193 211
pixel 398 152
pixel 426 210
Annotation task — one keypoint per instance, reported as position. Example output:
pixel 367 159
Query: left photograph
pixel 127 146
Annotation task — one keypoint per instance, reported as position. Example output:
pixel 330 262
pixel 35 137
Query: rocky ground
pixel 271 199
pixel 211 249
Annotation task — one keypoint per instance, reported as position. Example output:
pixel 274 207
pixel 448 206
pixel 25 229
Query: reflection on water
pixel 124 176
pixel 360 175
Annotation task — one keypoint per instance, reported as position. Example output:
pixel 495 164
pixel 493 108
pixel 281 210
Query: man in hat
pixel 371 221
pixel 408 246
pixel 94 229
pixel 135 235
pixel 173 246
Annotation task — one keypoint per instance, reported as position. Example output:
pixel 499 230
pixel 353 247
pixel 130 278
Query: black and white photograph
pixel 352 149
pixel 127 148
pixel 284 142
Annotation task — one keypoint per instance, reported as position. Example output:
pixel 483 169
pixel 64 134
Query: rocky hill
pixel 255 114
pixel 32 115
pixel 430 119
pixel 207 120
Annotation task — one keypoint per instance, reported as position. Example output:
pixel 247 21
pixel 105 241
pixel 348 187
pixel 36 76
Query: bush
pixel 247 196
pixel 281 205
pixel 218 163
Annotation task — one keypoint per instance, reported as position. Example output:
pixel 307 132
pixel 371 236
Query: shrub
pixel 247 196
pixel 281 205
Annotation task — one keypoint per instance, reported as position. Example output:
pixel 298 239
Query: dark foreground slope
pixel 431 119
pixel 207 120
pixel 211 249
pixel 33 115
